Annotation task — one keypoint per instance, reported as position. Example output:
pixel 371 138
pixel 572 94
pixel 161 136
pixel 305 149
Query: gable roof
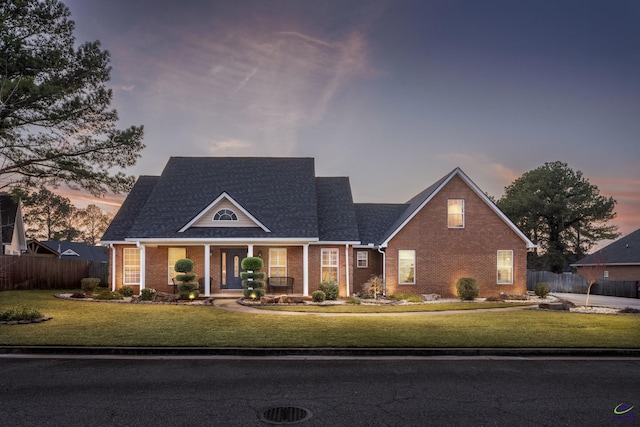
pixel 624 251
pixel 381 236
pixel 78 250
pixel 279 193
pixel 336 214
pixel 375 219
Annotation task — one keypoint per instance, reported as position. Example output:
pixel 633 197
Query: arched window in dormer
pixel 225 215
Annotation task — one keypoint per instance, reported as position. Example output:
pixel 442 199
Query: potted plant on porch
pixel 188 287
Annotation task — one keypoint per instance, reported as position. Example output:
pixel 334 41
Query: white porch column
pixel 305 270
pixel 113 268
pixel 346 268
pixel 207 270
pixel 250 250
pixel 143 264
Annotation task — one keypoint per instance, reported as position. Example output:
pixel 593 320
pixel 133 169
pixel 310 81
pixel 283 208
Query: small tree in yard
pixel 467 288
pixel 188 287
pixel 252 280
pixel 374 286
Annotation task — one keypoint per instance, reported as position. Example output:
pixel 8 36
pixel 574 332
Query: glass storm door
pixel 230 268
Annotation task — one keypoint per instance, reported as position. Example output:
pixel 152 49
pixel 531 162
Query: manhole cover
pixel 285 415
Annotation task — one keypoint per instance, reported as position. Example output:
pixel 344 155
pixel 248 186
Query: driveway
pixel 601 300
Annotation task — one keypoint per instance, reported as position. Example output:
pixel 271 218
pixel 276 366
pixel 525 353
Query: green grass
pixel 118 324
pixel 409 308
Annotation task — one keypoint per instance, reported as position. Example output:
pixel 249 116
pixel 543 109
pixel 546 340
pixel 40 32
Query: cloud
pixel 228 146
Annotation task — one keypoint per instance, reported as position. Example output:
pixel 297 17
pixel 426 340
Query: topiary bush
pixel 318 296
pixel 330 290
pixel 542 289
pixel 252 280
pixel 188 287
pixel 89 284
pixel 468 289
pixel 147 294
pixel 126 291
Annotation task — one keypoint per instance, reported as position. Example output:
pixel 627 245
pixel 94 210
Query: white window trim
pixel 271 263
pixel 365 259
pixel 336 266
pixel 498 266
pixel 125 265
pixel 414 267
pixel 462 213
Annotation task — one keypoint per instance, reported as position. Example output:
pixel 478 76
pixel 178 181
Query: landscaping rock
pixel 269 300
pixel 164 297
pixel 430 297
pixel 286 299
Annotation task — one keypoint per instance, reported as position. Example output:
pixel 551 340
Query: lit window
pixel 225 215
pixel 362 259
pixel 606 275
pixel 455 213
pixel 277 262
pixel 329 265
pixel 407 267
pixel 174 254
pixel 131 266
pixel 505 267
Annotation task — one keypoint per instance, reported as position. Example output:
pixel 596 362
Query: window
pixel 455 213
pixel 505 267
pixel 362 260
pixel 329 265
pixel 606 275
pixel 225 215
pixel 131 266
pixel 174 254
pixel 278 262
pixel 406 267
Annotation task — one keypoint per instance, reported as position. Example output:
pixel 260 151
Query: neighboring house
pixel 618 261
pixel 217 211
pixel 69 250
pixel 14 240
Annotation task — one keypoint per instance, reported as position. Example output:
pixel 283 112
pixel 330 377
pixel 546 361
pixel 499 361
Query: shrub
pixel 318 296
pixel 467 288
pixel 184 265
pixel 407 297
pixel 188 290
pixel 24 312
pixel 252 263
pixel 77 295
pixel 147 294
pixel 542 289
pixel 108 295
pixel 252 280
pixel 330 290
pixel 352 300
pixel 126 291
pixel 374 286
pixel 256 293
pixel 89 284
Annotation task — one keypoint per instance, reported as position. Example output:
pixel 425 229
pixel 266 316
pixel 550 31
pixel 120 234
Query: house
pixel 217 211
pixel 619 261
pixel 14 240
pixel 68 250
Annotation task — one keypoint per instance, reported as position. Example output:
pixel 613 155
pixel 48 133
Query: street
pixel 400 391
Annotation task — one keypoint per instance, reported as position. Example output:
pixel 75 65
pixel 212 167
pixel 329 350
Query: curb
pixel 321 352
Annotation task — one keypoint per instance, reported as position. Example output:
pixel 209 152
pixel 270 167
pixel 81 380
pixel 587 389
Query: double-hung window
pixel 131 266
pixel 329 265
pixel 505 267
pixel 406 267
pixel 277 262
pixel 362 260
pixel 455 213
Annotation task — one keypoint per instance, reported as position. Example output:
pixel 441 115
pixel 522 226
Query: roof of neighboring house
pixel 8 210
pixel 625 250
pixel 78 250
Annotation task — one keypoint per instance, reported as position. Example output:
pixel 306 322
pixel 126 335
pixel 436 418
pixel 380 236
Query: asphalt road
pixel 601 300
pixel 337 392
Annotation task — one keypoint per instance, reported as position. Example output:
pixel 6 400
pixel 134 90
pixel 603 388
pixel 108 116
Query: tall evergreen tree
pixel 49 217
pixel 560 211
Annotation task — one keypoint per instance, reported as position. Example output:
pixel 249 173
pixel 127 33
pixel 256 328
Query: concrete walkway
pixel 601 300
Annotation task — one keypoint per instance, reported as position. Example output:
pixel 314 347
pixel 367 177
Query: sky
pixel 392 94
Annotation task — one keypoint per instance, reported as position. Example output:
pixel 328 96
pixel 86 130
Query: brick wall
pixel 443 255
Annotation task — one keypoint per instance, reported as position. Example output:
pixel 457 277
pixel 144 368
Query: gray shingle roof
pixel 336 213
pixel 625 250
pixel 84 251
pixel 375 220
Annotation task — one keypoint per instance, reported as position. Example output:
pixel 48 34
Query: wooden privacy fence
pixel 30 272
pixel 574 283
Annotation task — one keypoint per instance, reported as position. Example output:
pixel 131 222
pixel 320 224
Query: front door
pixel 230 260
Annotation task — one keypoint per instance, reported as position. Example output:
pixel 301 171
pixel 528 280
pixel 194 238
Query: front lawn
pixel 117 324
pixel 404 308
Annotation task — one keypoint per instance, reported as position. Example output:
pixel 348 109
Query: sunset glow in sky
pixel 393 94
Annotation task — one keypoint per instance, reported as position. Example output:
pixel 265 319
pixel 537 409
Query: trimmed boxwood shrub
pixel 106 294
pixel 24 312
pixel 188 287
pixel 147 294
pixel 542 289
pixel 89 284
pixel 252 280
pixel 468 289
pixel 318 296
pixel 126 291
pixel 330 290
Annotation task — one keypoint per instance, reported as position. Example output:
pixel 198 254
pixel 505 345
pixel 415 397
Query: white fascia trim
pixel 608 264
pixel 476 189
pixel 229 240
pixel 341 243
pixel 222 196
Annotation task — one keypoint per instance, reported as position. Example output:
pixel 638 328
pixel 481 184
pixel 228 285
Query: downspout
pixel 384 270
pixel 113 267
